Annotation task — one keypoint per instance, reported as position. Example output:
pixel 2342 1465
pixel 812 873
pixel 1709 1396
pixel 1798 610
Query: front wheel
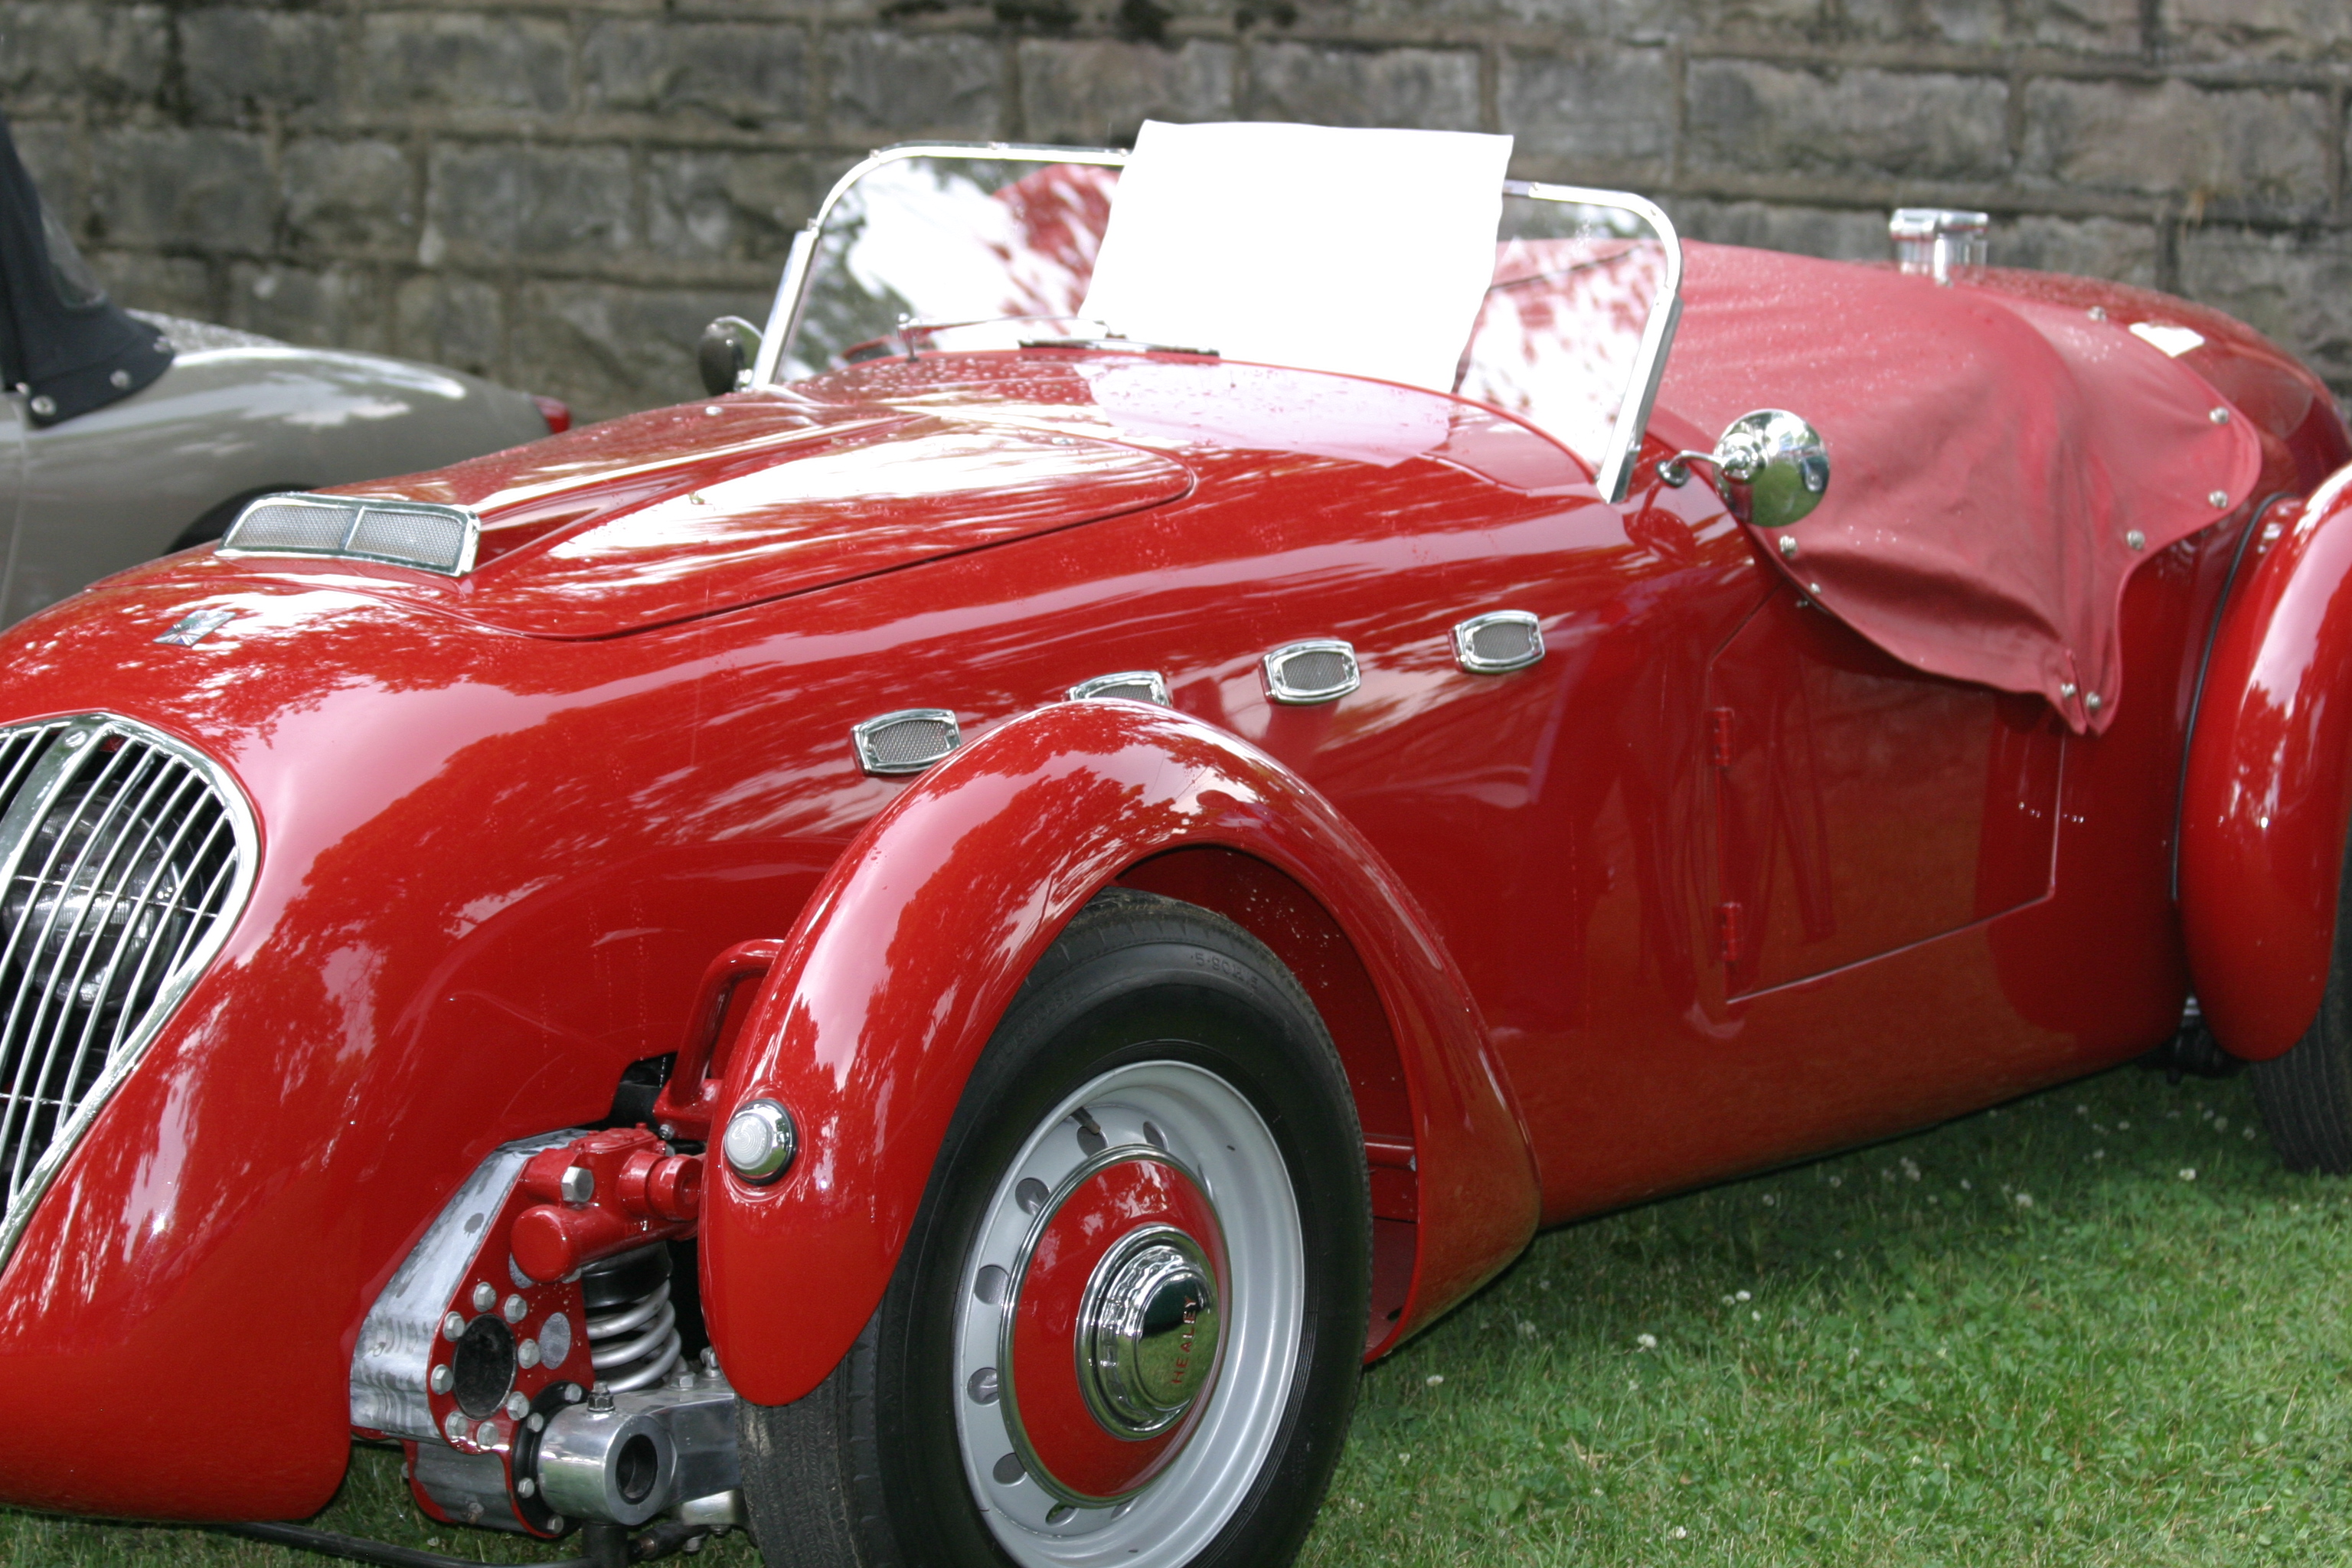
pixel 1127 1324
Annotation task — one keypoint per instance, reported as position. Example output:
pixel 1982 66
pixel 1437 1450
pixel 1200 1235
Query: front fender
pixel 900 965
pixel 2269 785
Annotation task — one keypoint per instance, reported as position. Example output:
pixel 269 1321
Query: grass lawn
pixel 2028 1337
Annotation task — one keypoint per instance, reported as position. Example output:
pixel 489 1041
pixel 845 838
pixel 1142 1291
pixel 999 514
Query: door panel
pixel 1861 806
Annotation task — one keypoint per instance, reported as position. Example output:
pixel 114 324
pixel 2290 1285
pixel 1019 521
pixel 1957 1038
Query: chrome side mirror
pixel 725 354
pixel 1771 468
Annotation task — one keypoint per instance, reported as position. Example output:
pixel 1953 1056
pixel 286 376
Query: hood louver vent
pixel 124 858
pixel 422 534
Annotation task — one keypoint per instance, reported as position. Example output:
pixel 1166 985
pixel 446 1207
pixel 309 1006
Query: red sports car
pixel 925 956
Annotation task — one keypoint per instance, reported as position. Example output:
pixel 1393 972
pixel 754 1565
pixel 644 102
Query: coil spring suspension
pixel 632 1340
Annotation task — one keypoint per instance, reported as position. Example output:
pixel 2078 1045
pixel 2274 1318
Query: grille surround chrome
pixel 1286 680
pixel 348 519
pixel 58 775
pixel 1467 652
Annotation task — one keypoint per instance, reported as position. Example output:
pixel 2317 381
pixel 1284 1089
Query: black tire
pixel 867 1471
pixel 2306 1095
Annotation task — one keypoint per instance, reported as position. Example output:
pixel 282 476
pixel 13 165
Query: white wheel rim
pixel 1210 1132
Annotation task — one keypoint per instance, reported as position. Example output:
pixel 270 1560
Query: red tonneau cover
pixel 1988 456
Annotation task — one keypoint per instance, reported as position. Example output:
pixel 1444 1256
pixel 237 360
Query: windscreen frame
pixel 1616 466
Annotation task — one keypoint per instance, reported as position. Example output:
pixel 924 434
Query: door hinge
pixel 1718 736
pixel 1730 931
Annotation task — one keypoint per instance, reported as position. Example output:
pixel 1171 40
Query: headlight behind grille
pixel 124 857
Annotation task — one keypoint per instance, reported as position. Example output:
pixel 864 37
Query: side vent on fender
pixel 124 858
pixel 1128 686
pixel 1319 671
pixel 422 534
pixel 1499 643
pixel 906 741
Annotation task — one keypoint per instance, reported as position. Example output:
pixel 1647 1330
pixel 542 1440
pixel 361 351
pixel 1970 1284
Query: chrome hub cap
pixel 1150 1332
pixel 1129 1323
pixel 1128 1230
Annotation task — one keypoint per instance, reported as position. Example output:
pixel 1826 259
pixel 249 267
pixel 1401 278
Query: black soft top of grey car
pixel 62 341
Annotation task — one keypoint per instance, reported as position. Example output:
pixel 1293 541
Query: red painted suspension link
pixel 602 1194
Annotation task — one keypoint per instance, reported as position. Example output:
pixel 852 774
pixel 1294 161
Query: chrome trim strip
pixel 782 311
pixel 41 791
pixel 867 738
pixel 1155 686
pixel 1465 636
pixel 1277 681
pixel 358 507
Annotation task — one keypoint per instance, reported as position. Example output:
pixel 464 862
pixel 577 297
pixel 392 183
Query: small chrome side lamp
pixel 1939 242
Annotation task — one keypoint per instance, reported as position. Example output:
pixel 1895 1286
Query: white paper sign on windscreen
pixel 1364 252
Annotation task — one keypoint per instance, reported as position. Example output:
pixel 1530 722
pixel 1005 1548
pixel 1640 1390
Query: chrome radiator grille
pixel 124 857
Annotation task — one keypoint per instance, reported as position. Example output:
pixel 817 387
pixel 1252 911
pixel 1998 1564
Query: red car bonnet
pixel 667 515
pixel 1991 457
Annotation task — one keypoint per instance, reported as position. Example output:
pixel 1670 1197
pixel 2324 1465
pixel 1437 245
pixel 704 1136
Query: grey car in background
pixel 126 436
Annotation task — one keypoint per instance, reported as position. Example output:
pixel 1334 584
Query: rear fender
pixel 902 962
pixel 2269 786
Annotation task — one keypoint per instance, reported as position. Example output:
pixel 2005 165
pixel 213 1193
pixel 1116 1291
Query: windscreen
pixel 950 251
pixel 1559 341
pixel 1004 244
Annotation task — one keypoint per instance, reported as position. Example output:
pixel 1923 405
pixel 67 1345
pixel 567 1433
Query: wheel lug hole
pixel 1059 1513
pixel 983 1387
pixel 1008 1470
pixel 989 1286
pixel 1030 1195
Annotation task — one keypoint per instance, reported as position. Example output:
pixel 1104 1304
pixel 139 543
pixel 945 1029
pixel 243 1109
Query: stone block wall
pixel 560 193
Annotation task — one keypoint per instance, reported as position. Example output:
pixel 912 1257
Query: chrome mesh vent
pixel 124 857
pixel 1320 670
pixel 1495 642
pixel 422 534
pixel 296 527
pixel 1127 686
pixel 907 742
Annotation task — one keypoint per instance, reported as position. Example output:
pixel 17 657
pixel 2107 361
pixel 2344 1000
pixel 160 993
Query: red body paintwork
pixel 602 536
pixel 507 830
pixel 910 950
pixel 2269 789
